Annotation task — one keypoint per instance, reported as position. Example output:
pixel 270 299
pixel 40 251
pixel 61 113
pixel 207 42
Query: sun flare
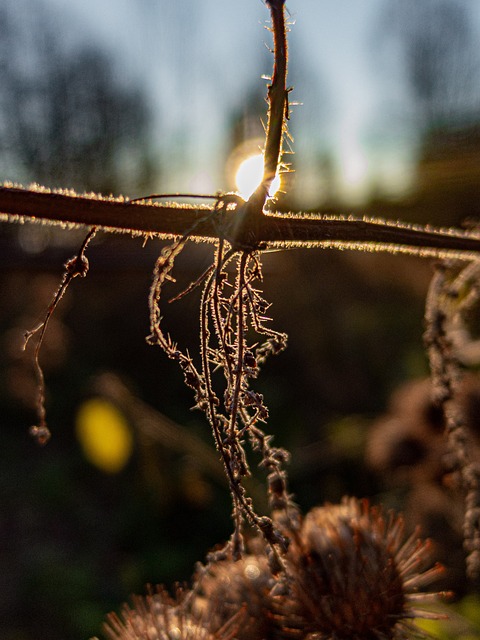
pixel 249 175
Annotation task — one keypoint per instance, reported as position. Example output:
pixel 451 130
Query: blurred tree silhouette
pixel 64 117
pixel 431 45
pixel 438 53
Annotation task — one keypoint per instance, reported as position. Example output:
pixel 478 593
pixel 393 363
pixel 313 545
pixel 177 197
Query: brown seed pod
pixel 354 575
pixel 234 586
pixel 157 616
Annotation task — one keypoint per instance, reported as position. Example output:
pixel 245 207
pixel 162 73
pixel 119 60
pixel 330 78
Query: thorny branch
pixel 270 231
pixel 249 218
pixel 277 95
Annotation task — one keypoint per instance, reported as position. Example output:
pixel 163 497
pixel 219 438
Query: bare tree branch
pixel 277 94
pixel 207 224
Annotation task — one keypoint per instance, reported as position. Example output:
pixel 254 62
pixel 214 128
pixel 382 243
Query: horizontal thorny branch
pixel 274 230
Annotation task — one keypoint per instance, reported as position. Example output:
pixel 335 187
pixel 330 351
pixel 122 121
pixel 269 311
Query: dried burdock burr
pixel 350 573
pixel 236 585
pixel 353 574
pixel 157 616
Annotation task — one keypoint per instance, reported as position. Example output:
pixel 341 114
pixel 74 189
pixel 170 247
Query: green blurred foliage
pixel 463 621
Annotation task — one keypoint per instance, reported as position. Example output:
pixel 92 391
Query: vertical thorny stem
pixel 226 348
pixel 240 343
pixel 277 94
pixel 276 123
pixel 453 293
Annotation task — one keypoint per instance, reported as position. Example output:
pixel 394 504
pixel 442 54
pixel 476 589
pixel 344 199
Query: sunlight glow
pixel 355 168
pixel 249 176
pixel 354 173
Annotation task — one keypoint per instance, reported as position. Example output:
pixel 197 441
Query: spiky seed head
pixel 354 575
pixel 159 617
pixel 235 585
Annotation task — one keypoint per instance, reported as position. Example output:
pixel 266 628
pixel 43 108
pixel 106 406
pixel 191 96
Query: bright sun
pixel 249 175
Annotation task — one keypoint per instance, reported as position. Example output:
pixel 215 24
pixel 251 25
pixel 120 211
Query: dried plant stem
pixel 453 293
pixel 76 266
pixel 240 343
pixel 229 320
pixel 271 231
pixel 227 310
pixel 245 230
pixel 277 94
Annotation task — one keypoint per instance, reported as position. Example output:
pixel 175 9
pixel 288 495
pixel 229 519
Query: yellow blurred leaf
pixel 104 435
pixel 435 628
pixel 470 608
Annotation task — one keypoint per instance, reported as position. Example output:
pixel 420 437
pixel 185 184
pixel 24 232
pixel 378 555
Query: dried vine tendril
pixel 76 266
pixel 453 295
pixel 236 339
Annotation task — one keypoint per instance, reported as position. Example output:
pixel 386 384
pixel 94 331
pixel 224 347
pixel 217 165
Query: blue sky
pixel 196 58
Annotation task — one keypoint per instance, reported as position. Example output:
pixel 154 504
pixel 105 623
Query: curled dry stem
pixel 76 266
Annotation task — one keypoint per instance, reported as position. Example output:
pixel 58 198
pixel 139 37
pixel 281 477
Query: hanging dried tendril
pixel 236 339
pixel 453 296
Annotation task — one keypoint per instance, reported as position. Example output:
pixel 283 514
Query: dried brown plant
pixel 232 318
pixel 76 266
pixel 453 296
pixel 351 573
pixel 158 616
